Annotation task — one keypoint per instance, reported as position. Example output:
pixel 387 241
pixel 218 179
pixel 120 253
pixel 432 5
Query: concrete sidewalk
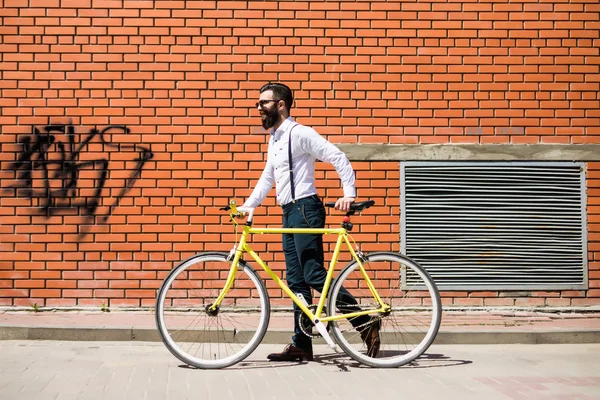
pixel 55 370
pixel 490 326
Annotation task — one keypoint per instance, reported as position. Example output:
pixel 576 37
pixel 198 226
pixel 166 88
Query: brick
pixel 562 302
pixel 468 302
pixel 124 303
pixel 441 68
pixel 493 302
pixel 44 293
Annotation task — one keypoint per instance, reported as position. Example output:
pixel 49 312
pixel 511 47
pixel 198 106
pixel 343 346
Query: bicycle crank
pixel 306 325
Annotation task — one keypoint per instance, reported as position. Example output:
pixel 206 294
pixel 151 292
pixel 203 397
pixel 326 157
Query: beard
pixel 271 118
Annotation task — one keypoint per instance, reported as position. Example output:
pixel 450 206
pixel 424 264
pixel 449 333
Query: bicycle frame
pixel 342 234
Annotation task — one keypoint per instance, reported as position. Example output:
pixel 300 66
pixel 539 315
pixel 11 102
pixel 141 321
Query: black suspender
pixel 292 188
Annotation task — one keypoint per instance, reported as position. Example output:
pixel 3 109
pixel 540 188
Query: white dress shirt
pixel 307 146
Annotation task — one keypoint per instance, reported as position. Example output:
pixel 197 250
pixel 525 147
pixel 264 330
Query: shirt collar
pixel 282 128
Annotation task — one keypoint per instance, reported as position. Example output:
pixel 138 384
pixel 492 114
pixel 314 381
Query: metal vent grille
pixel 496 225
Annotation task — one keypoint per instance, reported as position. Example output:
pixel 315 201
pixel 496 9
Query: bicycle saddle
pixel 357 206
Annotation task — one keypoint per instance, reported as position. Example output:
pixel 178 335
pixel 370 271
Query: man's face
pixel 269 109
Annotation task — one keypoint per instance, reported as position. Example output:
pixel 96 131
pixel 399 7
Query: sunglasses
pixel 262 103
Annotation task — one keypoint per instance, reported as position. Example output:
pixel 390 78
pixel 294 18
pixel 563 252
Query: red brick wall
pixel 183 78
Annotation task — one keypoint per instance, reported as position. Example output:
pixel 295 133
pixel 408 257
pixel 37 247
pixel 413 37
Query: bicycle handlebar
pixel 235 211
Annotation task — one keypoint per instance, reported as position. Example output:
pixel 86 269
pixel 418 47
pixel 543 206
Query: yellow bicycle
pixel 213 309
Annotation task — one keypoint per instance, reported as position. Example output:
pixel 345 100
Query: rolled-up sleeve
pixel 323 150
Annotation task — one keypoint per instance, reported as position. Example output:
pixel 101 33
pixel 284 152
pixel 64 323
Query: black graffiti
pixel 53 160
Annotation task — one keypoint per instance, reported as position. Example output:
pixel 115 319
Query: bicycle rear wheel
pixel 211 339
pixel 413 322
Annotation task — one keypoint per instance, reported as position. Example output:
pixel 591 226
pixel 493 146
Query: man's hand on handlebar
pixel 343 203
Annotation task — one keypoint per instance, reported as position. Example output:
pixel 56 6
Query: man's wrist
pixel 350 192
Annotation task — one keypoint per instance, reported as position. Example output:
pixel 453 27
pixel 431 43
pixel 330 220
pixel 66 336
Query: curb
pixel 282 337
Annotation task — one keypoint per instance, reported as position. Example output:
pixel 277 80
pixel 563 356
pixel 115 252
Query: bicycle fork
pixel 234 256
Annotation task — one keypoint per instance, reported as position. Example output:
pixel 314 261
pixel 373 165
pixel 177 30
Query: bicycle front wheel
pixel 407 329
pixel 206 338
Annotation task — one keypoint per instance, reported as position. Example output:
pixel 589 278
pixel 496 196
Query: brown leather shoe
pixel 292 353
pixel 370 335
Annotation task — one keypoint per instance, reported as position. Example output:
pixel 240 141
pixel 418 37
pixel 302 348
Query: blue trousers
pixel 305 262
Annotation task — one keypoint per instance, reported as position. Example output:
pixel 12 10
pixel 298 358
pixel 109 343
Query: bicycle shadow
pixel 344 363
pixel 427 360
pixel 255 364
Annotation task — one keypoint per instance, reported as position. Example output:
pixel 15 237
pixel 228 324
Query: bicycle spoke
pixel 408 329
pixel 211 339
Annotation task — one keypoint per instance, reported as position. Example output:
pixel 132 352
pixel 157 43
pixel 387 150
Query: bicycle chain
pixel 306 324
